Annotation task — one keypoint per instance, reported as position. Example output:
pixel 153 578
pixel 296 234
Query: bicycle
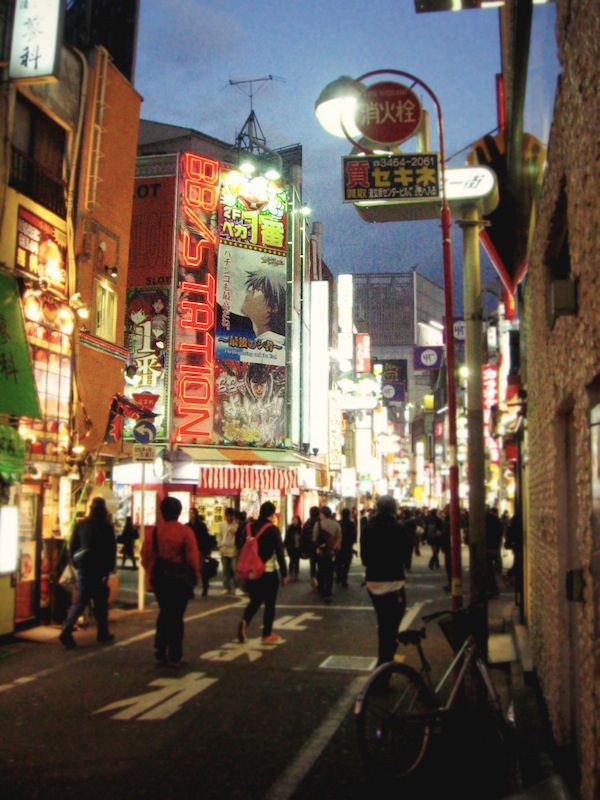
pixel 399 708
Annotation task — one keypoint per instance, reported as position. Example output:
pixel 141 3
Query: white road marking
pixel 160 704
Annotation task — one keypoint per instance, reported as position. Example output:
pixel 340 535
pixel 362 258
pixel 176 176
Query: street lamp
pixel 336 109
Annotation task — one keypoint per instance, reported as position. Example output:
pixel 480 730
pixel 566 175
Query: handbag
pixel 68 577
pixel 166 572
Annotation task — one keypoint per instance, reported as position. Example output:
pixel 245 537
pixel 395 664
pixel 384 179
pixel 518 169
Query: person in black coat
pixel 206 544
pixel 129 536
pixel 346 551
pixel 264 589
pixel 93 548
pixel 385 547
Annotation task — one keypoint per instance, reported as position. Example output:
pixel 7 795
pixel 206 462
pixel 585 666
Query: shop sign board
pixel 428 357
pixel 36 40
pixel 385 178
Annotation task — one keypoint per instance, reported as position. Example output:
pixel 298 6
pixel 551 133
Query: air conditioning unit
pixel 562 299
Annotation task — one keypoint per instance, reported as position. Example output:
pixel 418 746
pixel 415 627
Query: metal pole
pixel 142 571
pixel 470 224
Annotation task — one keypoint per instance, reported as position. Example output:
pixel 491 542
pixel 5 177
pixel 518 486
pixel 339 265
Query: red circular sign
pixel 388 113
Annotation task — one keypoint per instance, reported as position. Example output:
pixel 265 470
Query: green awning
pixel 18 394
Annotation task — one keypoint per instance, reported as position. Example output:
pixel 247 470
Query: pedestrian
pixel 292 542
pixel 128 537
pixel 445 542
pixel 410 526
pixel 308 546
pixel 93 550
pixel 493 542
pixel 228 551
pixel 433 534
pixel 343 558
pixel 206 543
pixel 171 559
pixel 384 552
pixel 264 589
pixel 327 538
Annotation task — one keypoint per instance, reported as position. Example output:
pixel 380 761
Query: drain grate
pixel 349 663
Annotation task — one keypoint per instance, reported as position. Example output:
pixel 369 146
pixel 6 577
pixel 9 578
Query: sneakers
pixel 272 639
pixel 106 638
pixel 314 583
pixel 66 638
pixel 242 631
pixel 240 593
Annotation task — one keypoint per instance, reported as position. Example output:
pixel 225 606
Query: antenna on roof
pixel 251 136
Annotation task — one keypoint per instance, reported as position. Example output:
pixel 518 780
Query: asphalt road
pixel 234 721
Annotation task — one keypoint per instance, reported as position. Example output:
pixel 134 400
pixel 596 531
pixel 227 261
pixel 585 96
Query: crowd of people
pixel 178 557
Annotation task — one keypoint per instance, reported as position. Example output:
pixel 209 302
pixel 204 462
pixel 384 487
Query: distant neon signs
pixel 363 352
pixel 195 309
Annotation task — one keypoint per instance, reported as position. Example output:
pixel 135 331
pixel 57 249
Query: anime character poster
pixel 251 306
pixel 147 339
pixel 249 404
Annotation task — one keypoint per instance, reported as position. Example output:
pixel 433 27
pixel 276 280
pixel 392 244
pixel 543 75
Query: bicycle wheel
pixel 393 718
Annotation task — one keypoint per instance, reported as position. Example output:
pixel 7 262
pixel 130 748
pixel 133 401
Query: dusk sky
pixel 189 51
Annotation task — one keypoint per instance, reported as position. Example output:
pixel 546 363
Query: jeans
pixel 229 564
pixel 325 567
pixel 389 609
pixel 90 586
pixel 264 590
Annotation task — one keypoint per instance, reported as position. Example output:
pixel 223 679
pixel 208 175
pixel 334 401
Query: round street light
pixel 336 110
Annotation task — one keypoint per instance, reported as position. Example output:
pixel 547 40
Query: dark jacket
pixel 384 548
pixel 270 543
pixel 97 537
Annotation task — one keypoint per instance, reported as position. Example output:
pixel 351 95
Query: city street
pixel 236 720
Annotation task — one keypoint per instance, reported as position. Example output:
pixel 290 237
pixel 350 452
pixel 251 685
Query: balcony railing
pixel 32 179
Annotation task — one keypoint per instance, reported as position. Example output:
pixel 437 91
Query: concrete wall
pixel 563 379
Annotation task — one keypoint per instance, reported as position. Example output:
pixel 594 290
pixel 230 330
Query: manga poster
pixel 249 404
pixel 251 306
pixel 147 339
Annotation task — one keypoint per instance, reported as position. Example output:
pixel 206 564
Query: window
pixel 105 312
pixel 37 151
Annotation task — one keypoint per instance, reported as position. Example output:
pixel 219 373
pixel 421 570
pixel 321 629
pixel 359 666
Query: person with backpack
pixel 264 540
pixel 327 536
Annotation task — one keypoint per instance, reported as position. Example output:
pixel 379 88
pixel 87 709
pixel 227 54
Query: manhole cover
pixel 349 663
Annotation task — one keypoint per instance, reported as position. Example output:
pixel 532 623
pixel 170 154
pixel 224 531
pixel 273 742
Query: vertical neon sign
pixel 194 339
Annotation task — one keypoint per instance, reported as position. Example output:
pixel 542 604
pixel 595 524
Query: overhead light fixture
pixel 247 167
pixel 272 174
pixel 305 210
pixel 112 271
pixel 336 105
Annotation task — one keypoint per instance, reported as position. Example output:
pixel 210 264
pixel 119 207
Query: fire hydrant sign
pixel 391 178
pixel 388 113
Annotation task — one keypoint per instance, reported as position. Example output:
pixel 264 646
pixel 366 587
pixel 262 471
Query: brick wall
pixel 563 376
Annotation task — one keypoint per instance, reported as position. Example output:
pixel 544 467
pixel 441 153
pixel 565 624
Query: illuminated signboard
pixel 489 380
pixel 41 249
pixel 363 352
pixel 384 178
pixel 250 308
pixel 195 299
pixel 36 40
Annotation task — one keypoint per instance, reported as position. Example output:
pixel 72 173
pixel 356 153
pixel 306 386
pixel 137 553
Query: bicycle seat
pixel 410 636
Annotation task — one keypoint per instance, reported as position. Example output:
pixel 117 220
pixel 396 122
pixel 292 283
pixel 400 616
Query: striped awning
pixel 255 476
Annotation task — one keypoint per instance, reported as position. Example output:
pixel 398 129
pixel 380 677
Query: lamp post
pixel 335 114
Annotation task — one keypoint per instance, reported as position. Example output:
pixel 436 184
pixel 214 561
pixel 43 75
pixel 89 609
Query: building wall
pixel 563 381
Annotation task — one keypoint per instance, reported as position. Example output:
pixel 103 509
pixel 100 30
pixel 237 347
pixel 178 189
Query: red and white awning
pixel 236 477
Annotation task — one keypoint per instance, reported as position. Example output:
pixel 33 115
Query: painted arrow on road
pixel 161 703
